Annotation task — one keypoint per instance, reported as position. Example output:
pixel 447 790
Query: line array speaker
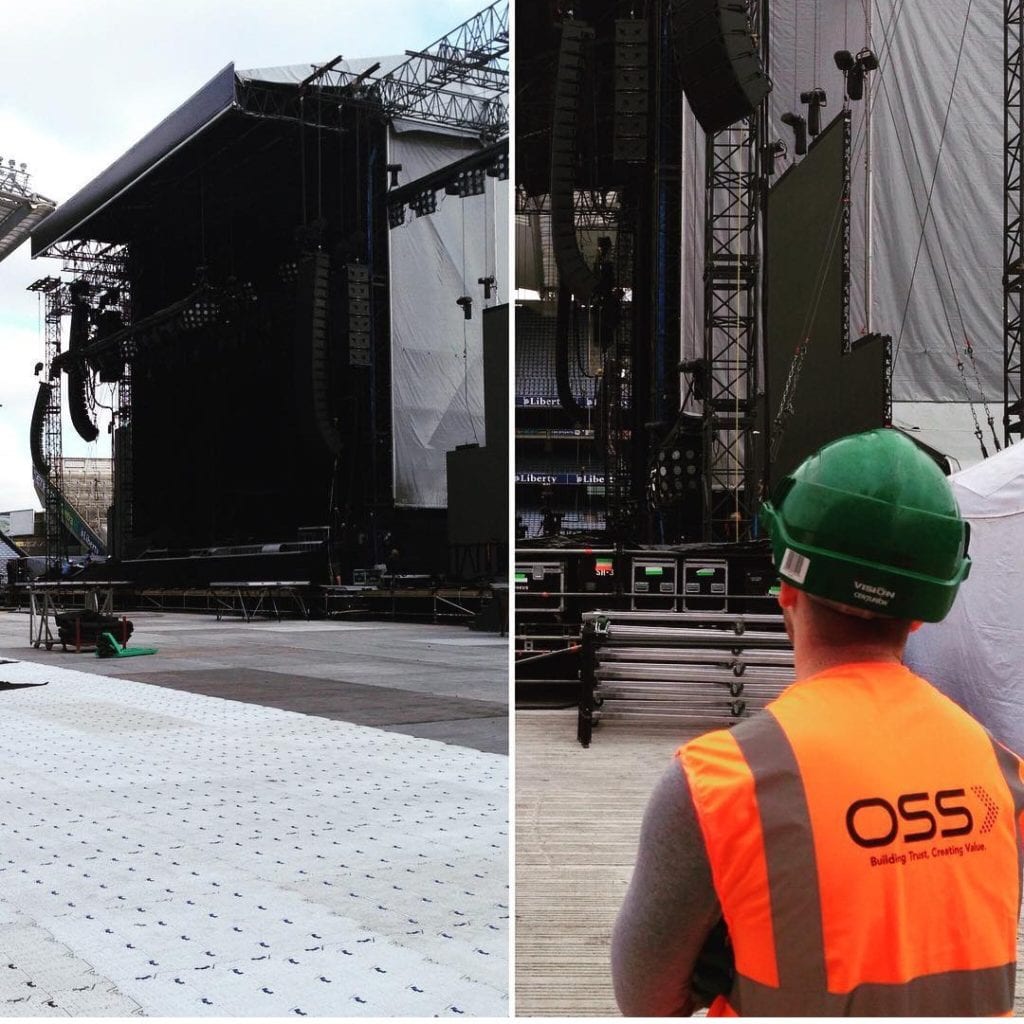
pixel 357 304
pixel 719 61
pixel 631 91
pixel 573 271
pixel 78 403
pixel 36 429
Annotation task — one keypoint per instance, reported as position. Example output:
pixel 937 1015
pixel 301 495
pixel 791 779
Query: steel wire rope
pixel 885 51
pixel 969 348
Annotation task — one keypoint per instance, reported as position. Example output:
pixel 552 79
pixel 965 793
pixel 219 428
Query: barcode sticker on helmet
pixel 794 566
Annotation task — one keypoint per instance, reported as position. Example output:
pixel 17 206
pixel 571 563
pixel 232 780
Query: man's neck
pixel 811 658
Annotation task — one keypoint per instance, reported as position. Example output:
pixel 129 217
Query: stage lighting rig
pixel 488 283
pixel 855 70
pixel 466 303
pixel 393 170
pixel 815 100
pixel 202 313
pixel 799 126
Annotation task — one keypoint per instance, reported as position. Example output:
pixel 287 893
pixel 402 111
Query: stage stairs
pixel 704 668
pixel 72 519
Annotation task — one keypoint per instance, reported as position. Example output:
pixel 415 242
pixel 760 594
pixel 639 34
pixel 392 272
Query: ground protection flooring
pixel 435 681
pixel 177 854
pixel 578 815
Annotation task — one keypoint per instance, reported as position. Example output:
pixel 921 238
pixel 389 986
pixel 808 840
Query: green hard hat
pixel 869 521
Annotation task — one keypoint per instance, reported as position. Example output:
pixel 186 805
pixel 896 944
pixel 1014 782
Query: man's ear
pixel 787 595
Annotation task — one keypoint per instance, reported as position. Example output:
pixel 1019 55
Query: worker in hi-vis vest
pixel 855 848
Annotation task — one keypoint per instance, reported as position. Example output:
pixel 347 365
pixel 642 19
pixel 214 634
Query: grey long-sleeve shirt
pixel 669 909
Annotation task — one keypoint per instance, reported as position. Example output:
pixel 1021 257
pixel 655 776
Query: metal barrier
pixel 698 667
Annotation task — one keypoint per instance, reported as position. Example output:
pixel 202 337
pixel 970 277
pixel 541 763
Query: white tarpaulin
pixel 437 354
pixel 975 656
pixel 934 149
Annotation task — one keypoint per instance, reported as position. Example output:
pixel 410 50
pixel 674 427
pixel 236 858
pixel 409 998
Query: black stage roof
pixel 215 117
pixel 195 115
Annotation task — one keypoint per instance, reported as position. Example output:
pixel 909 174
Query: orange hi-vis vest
pixel 864 837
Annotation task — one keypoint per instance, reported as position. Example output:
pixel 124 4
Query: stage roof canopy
pixel 273 93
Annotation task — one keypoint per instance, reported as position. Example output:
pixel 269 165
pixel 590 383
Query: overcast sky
pixel 84 79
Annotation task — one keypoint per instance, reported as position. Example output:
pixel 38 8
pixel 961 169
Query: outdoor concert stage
pixel 271 819
pixel 235 275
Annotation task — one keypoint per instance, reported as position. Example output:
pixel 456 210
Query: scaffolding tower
pixel 732 275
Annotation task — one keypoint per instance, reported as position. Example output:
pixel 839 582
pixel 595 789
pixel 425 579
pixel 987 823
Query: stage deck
pixel 172 853
pixel 578 815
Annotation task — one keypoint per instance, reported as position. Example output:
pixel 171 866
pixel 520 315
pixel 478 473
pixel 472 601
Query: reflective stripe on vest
pixel 770 883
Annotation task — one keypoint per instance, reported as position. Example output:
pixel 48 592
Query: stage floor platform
pixel 578 815
pixel 167 852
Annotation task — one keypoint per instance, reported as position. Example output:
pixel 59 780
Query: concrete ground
pixel 578 815
pixel 272 819
pixel 436 682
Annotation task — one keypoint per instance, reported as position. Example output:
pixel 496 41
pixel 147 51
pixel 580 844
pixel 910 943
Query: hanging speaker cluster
pixel 357 303
pixel 319 268
pixel 719 61
pixel 77 370
pixel 631 91
pixel 573 271
pixel 36 429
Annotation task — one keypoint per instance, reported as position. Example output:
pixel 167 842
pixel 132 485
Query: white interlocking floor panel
pixel 165 853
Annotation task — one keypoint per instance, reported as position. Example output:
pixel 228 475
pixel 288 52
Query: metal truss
pixel 732 271
pixel 104 266
pixel 461 79
pixel 20 208
pixel 56 298
pixel 1013 228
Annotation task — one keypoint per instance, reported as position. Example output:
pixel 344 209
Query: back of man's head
pixel 870 525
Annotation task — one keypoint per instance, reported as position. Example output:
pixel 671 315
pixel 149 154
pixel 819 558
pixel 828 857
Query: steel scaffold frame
pixel 732 303
pixel 1013 209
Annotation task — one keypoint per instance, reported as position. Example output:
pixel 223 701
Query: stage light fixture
pixel 471 183
pixel 499 169
pixel 844 60
pixel 771 152
pixel 815 100
pixel 467 306
pixel 488 283
pixel 393 170
pixel 799 126
pixel 425 203
pixel 39 369
pixel 867 59
pixel 396 215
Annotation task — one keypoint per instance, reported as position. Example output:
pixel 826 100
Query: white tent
pixel 976 655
